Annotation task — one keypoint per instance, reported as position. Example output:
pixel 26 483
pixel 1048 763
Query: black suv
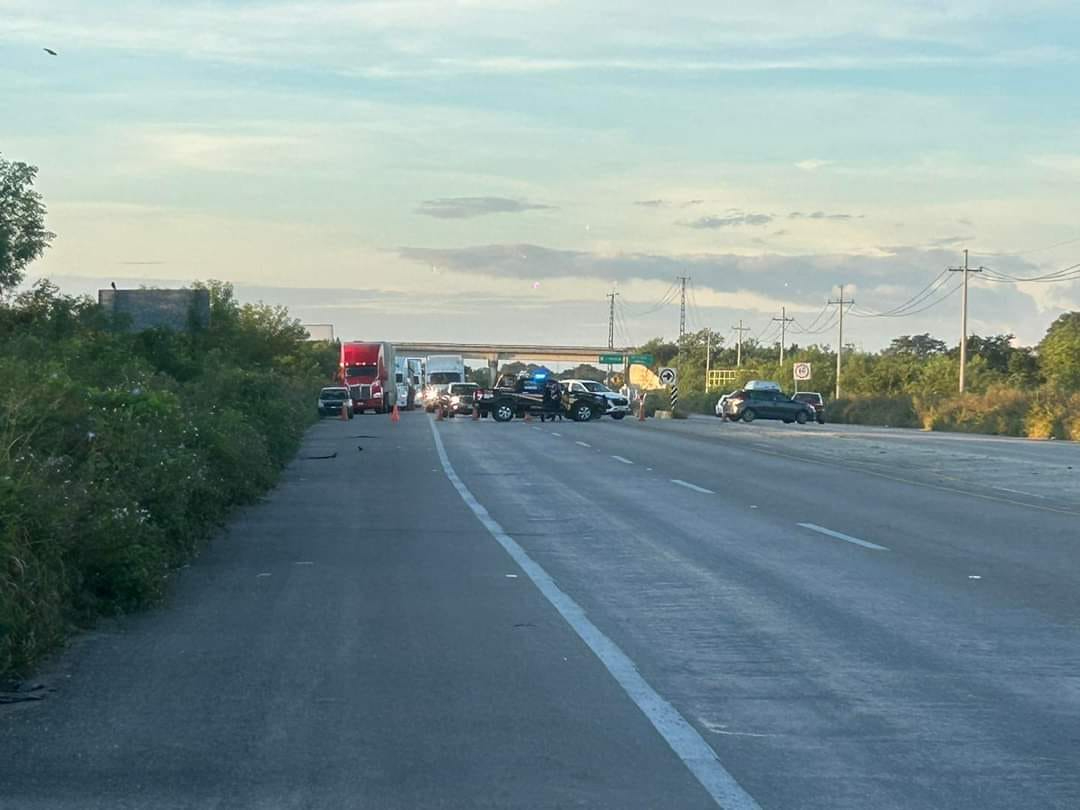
pixel 540 395
pixel 332 399
pixel 751 405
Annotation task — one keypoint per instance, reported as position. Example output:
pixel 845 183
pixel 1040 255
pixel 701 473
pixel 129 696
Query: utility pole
pixel 682 307
pixel 611 329
pixel 784 321
pixel 963 314
pixel 840 339
pixel 708 356
pixel 738 352
pixel 611 320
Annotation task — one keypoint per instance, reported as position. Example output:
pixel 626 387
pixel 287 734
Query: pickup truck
pixel 538 395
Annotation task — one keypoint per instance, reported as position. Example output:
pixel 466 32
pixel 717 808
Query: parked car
pixel 719 409
pixel 332 398
pixel 460 397
pixel 815 401
pixel 749 405
pixel 618 406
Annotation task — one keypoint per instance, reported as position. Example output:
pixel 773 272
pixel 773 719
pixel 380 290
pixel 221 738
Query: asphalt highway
pixel 687 614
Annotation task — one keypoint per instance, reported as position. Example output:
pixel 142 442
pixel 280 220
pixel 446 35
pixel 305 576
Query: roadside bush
pixel 1000 411
pixel 1071 420
pixel 897 411
pixel 120 453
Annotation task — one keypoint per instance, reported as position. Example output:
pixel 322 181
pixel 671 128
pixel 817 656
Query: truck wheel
pixel 618 415
pixel 800 417
pixel 748 415
pixel 503 412
pixel 581 412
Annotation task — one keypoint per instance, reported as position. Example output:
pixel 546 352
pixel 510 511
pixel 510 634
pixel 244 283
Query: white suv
pixel 618 406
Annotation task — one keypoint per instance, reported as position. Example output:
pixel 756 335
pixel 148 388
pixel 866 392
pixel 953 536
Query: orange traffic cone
pixel 395 417
pixel 475 412
pixel 641 410
pixel 344 412
pixel 439 413
pixel 528 416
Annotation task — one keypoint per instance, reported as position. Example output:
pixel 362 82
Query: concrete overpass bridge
pixel 498 353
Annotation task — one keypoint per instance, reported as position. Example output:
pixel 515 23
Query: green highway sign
pixel 642 359
pixel 612 359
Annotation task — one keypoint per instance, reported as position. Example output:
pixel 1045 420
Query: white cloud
pixel 812 165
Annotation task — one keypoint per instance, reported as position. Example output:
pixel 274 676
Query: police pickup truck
pixel 538 395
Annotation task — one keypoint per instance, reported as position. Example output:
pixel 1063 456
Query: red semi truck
pixel 368 371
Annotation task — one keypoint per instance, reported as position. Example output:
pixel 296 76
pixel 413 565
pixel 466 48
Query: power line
pixel 620 323
pixel 814 322
pixel 697 320
pixel 1070 273
pixel 920 297
pixel 828 324
pixel 665 299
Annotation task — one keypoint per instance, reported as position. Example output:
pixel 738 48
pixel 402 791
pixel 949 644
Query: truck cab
pixel 366 369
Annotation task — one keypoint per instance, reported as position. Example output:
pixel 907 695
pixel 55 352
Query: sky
pixel 476 170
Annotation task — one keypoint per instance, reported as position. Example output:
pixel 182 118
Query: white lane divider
pixel 847 538
pixel 583 444
pixel 688 745
pixel 694 487
pixel 1020 492
pixel 623 460
pixel 553 433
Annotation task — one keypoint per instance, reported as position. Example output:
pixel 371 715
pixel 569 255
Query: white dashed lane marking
pixel 694 487
pixel 847 538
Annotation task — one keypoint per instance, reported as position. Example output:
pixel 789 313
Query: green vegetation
pixel 121 453
pixel 23 236
pixel 1013 391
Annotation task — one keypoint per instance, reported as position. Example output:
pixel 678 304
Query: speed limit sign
pixel 802 371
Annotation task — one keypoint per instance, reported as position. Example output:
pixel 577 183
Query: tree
pixel 1059 351
pixel 584 371
pixel 481 376
pixel 922 346
pixel 23 236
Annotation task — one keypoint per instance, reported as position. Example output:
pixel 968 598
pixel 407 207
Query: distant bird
pixel 112 284
pixel 49 51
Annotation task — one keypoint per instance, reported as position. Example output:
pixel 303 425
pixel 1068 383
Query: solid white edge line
pixel 553 433
pixel 623 460
pixel 684 739
pixel 847 538
pixel 583 444
pixel 694 487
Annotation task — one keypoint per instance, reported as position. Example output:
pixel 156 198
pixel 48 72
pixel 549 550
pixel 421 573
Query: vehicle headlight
pixel 455 400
